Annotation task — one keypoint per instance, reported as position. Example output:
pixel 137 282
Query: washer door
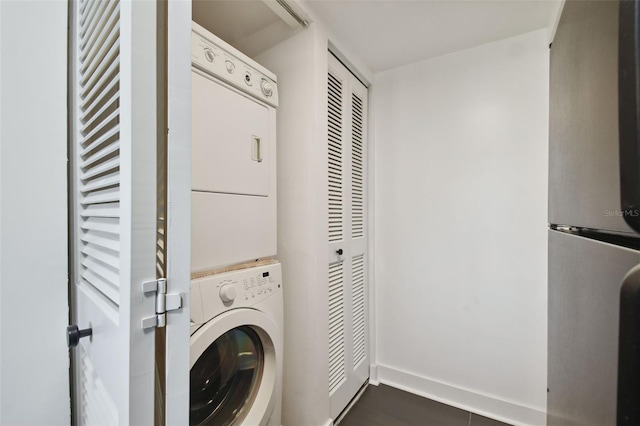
pixel 233 369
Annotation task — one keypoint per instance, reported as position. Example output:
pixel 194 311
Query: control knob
pixel 227 293
pixel 267 88
pixel 209 55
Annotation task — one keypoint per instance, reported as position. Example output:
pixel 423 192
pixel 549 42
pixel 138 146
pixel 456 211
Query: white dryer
pixel 236 348
pixel 233 142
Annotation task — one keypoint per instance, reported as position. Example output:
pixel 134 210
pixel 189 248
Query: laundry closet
pixel 318 118
pixel 242 205
pixel 460 147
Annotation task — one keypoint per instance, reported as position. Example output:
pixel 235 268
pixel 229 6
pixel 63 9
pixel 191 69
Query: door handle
pixel 74 334
pixel 256 149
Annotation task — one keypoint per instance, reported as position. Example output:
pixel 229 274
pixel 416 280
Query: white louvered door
pixel 113 205
pixel 347 232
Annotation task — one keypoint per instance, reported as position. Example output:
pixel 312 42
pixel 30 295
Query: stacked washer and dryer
pixel 236 287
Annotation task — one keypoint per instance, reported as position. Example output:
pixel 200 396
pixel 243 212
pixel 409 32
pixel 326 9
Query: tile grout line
pixel 469 424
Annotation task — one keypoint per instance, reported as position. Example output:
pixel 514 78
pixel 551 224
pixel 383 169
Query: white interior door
pixel 178 210
pixel 113 150
pixel 348 315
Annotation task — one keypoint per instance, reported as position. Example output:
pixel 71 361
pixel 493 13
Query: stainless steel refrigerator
pixel 594 216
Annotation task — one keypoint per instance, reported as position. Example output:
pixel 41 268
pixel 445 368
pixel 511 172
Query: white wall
pixel 34 385
pixel 305 388
pixel 300 64
pixel 461 208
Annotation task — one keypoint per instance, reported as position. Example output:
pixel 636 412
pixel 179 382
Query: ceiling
pixel 391 33
pixel 383 33
pixel 232 21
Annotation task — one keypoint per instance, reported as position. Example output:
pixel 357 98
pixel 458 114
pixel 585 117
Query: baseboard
pixel 485 405
pixel 373 375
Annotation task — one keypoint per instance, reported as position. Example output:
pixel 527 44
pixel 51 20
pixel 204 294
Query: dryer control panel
pixel 215 294
pixel 213 56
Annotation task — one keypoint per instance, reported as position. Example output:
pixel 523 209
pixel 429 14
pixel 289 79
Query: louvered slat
pixel 103 196
pixel 106 58
pixel 89 108
pixel 83 7
pixel 102 264
pixel 108 225
pixel 103 62
pixel 337 373
pixel 98 159
pixel 93 275
pixel 101 210
pixel 357 169
pixel 106 47
pixel 161 249
pixel 96 28
pixel 105 78
pixel 97 406
pixel 92 42
pixel 335 159
pixel 100 239
pixel 99 128
pixel 88 14
pixel 104 181
pixel 359 349
pixel 101 155
pixel 88 10
pixel 100 168
pixel 109 258
pixel 95 114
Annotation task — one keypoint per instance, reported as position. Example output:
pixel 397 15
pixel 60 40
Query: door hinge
pixel 164 303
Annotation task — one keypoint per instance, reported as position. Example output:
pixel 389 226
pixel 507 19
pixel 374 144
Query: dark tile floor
pixel 386 406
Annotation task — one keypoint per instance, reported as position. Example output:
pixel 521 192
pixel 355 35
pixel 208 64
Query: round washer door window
pixel 226 377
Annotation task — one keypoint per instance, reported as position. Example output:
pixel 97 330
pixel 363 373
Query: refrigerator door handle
pixel 629 111
pixel 628 409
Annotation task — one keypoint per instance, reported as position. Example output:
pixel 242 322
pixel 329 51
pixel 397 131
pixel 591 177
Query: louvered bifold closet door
pixel 336 125
pixel 112 202
pixel 347 234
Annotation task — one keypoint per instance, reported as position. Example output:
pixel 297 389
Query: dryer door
pixel 234 369
pixel 230 140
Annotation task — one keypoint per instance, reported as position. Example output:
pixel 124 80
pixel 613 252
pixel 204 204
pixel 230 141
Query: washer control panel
pixel 214 294
pixel 213 56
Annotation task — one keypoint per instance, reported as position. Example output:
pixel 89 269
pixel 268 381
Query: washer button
pixel 209 55
pixel 247 78
pixel 230 66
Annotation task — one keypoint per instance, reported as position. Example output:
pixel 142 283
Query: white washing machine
pixel 237 347
pixel 233 197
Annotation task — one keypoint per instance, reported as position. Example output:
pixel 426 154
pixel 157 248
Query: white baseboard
pixel 485 405
pixel 373 375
